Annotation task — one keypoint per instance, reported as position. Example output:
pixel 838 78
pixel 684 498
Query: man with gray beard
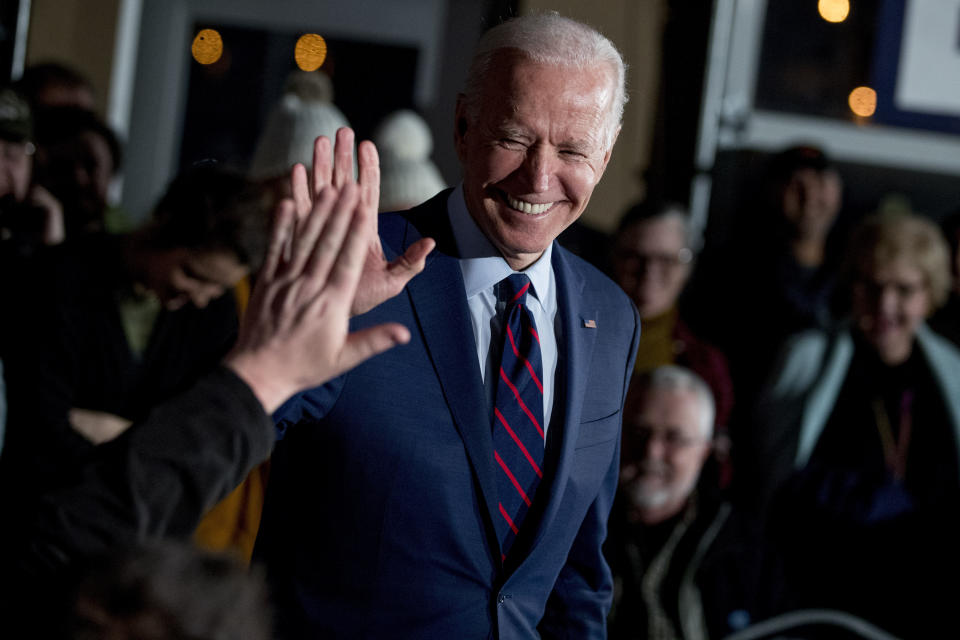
pixel 686 564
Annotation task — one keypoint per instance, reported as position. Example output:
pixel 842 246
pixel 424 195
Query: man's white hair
pixel 549 38
pixel 674 378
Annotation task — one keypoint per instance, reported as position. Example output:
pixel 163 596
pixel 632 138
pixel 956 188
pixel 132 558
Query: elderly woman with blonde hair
pixel 859 433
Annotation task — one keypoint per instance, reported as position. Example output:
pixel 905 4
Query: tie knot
pixel 513 289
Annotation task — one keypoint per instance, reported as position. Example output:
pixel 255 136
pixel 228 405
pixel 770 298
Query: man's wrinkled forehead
pixel 514 70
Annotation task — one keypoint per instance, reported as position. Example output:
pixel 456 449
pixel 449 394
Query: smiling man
pixel 533 144
pixel 686 563
pixel 460 485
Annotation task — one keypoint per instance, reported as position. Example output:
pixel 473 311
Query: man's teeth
pixel 527 207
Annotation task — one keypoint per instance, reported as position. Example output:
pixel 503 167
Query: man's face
pixel 652 264
pixel 534 152
pixel 15 169
pixel 811 201
pixel 179 276
pixel 664 449
pixel 78 172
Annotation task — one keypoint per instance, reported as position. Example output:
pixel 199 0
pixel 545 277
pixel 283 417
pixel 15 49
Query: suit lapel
pixel 575 345
pixel 439 303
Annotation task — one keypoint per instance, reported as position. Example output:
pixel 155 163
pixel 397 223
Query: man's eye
pixel 511 143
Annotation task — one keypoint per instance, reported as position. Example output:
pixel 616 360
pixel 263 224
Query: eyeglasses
pixel 15 151
pixel 664 261
pixel 874 289
pixel 672 439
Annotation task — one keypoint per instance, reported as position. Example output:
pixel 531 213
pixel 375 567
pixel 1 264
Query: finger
pixel 309 229
pixel 369 175
pixel 366 343
pixel 411 262
pixel 345 274
pixel 300 188
pixel 328 246
pixel 343 161
pixel 322 169
pixel 280 236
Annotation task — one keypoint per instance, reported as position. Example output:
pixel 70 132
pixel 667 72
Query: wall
pixel 79 33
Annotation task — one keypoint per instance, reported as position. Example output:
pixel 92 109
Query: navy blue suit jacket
pixel 380 516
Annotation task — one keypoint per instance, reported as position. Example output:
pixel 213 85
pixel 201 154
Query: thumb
pixel 366 343
pixel 412 261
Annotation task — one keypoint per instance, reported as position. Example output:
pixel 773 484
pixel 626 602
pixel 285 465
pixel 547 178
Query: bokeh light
pixel 863 101
pixel 310 52
pixel 834 10
pixel 207 46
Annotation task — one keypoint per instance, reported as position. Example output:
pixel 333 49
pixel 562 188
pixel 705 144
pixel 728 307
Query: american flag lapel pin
pixel 589 324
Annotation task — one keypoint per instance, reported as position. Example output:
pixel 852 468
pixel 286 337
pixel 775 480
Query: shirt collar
pixel 481 263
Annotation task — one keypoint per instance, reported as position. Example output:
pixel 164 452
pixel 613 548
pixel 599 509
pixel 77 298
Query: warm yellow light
pixel 207 46
pixel 863 101
pixel 834 10
pixel 310 52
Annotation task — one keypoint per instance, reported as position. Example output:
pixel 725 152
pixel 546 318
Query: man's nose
pixel 539 168
pixel 82 176
pixel 654 448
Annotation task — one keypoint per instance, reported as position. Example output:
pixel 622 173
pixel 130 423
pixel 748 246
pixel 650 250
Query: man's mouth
pixel 526 207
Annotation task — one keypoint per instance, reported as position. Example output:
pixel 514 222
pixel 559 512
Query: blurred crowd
pixel 791 439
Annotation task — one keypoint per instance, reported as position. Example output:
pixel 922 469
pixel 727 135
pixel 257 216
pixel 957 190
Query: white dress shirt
pixel 483 267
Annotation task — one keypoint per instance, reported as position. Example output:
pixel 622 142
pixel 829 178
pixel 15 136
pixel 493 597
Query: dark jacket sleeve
pixel 157 479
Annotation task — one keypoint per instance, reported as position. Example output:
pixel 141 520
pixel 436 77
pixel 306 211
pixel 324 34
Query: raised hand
pixel 381 280
pixel 295 333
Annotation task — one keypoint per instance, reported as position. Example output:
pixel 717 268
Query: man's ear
pixel 609 152
pixel 460 124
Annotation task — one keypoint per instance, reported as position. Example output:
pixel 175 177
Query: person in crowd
pixel 857 438
pixel 779 272
pixel 809 193
pixel 686 563
pixel 653 257
pixel 457 487
pixel 946 319
pixel 30 217
pixel 77 158
pixel 169 591
pixel 54 84
pixel 160 476
pixel 305 112
pixel 407 175
pixel 119 323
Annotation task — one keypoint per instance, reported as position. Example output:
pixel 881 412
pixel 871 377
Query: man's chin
pixel 649 495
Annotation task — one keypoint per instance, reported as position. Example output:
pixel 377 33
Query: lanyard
pixel 895 453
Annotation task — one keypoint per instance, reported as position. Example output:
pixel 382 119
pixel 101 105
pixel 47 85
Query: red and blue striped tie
pixel 518 412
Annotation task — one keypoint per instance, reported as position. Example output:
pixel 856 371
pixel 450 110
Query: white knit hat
pixel 304 112
pixel 407 176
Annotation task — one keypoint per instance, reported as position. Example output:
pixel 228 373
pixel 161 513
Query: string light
pixel 310 52
pixel 207 46
pixel 834 10
pixel 863 101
